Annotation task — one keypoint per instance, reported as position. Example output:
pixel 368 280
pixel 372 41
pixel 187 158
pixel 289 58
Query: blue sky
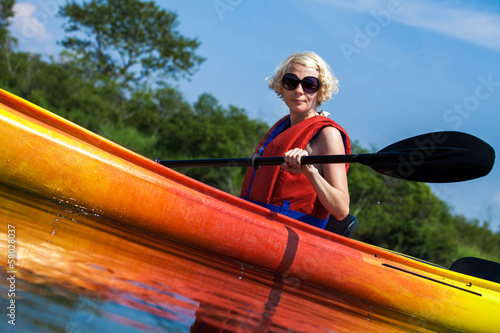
pixel 405 67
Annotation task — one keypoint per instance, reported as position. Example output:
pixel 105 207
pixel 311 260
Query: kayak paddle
pixel 481 268
pixel 438 157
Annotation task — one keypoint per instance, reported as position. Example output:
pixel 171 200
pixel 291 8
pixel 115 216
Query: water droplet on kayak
pixel 241 272
pixel 53 232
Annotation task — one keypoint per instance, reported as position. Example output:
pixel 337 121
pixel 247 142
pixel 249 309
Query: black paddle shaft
pixel 438 157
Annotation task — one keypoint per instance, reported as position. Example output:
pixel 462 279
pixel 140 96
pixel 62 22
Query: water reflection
pixel 78 272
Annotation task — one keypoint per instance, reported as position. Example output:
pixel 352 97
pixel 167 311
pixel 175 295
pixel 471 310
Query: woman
pixel 306 192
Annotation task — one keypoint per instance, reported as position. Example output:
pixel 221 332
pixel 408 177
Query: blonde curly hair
pixel 328 82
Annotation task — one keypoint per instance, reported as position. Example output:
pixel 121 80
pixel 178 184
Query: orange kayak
pixel 50 156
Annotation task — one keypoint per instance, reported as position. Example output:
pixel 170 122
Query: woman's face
pixel 297 100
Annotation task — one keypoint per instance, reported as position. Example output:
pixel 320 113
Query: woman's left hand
pixel 292 161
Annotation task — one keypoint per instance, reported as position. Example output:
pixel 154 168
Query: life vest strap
pixel 284 209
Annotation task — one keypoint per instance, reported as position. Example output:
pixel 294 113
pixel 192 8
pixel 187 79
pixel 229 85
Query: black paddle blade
pixel 481 268
pixel 439 157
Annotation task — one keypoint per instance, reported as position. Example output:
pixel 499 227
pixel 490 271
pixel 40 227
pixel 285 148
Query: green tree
pixel 150 110
pixel 209 130
pixel 6 12
pixel 128 41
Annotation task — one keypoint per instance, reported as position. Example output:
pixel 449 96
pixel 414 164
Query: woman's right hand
pixel 293 161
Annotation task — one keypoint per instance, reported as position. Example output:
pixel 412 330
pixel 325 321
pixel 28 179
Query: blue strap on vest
pixel 284 209
pixel 280 128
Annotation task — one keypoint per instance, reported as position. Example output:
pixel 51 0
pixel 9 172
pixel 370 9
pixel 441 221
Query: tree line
pixel 116 76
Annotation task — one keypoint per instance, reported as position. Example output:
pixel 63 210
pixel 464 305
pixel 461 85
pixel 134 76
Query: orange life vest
pixel 270 185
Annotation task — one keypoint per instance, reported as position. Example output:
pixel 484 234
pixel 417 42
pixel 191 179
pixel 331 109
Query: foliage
pixel 211 131
pixel 204 130
pixel 6 12
pixel 155 120
pixel 128 41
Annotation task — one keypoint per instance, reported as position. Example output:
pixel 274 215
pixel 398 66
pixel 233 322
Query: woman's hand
pixel 292 162
pixel 328 180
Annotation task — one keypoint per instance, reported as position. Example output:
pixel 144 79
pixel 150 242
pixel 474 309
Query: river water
pixel 64 270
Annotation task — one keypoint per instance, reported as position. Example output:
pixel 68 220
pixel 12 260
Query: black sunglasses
pixel 310 84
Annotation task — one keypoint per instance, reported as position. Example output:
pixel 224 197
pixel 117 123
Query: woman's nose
pixel 298 89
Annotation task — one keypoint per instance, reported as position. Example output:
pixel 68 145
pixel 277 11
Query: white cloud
pixel 29 24
pixel 478 27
